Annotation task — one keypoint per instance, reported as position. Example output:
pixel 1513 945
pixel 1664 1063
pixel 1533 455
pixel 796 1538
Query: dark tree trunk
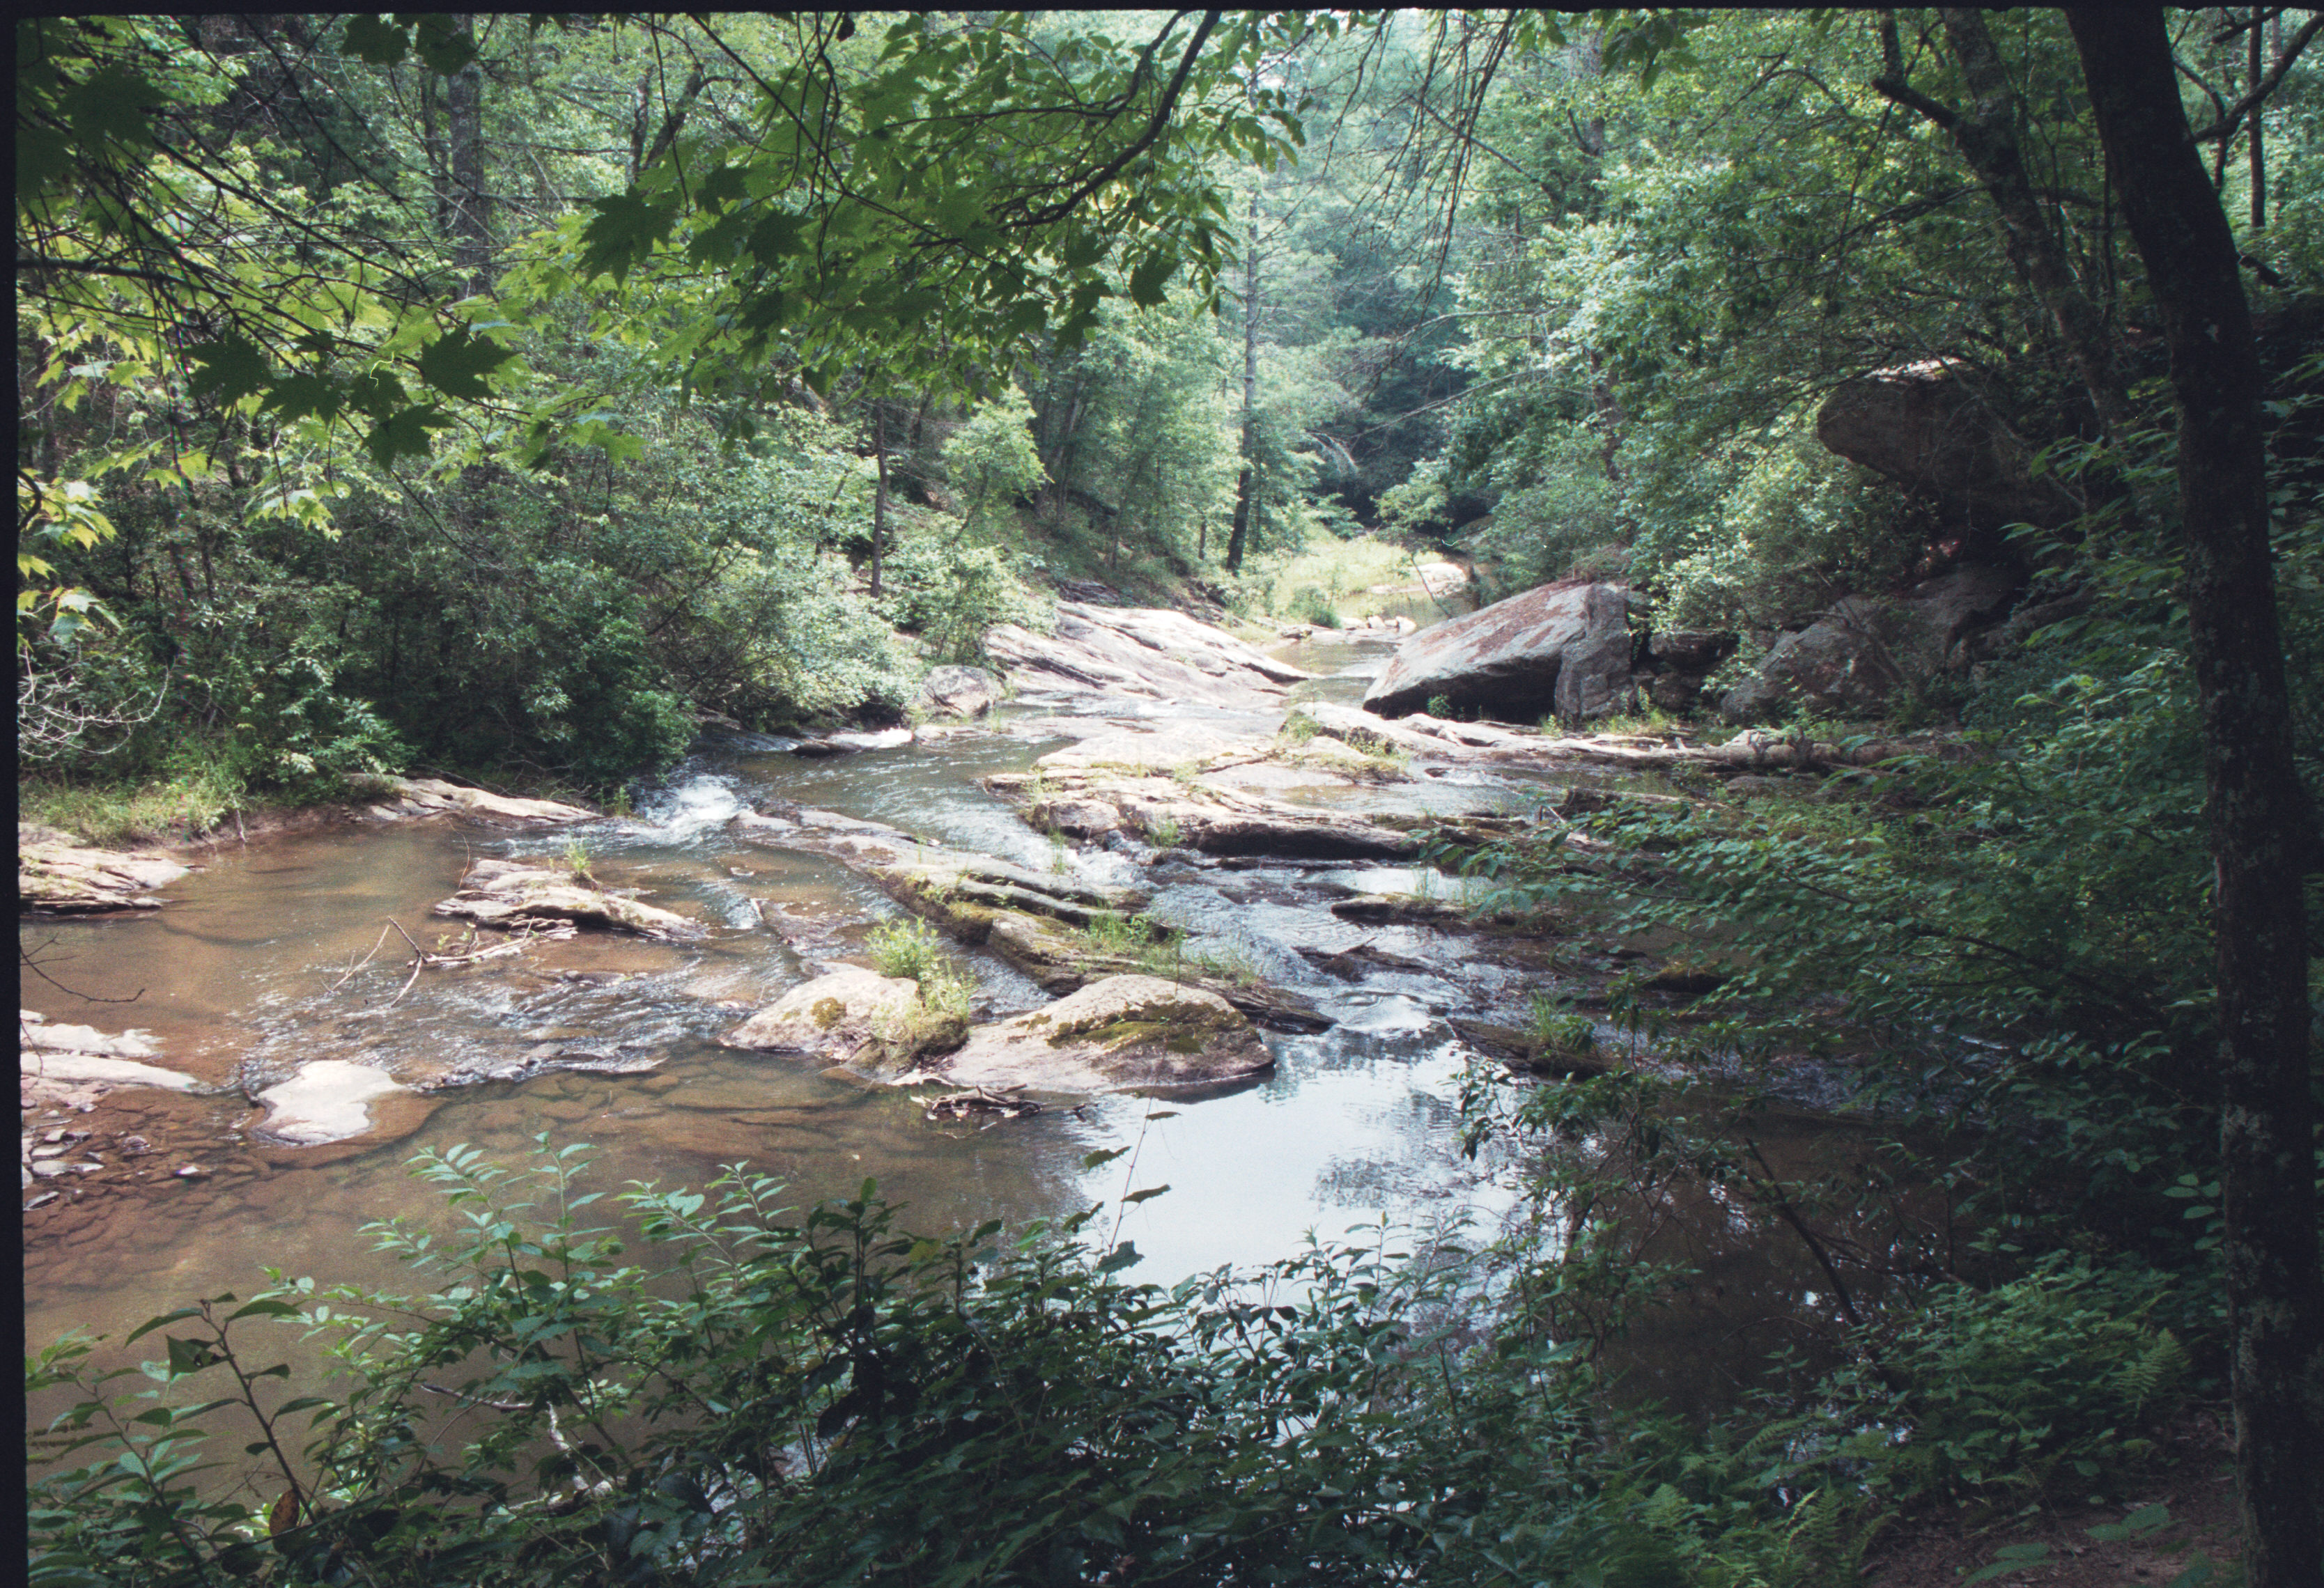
pixel 2255 63
pixel 2260 836
pixel 470 220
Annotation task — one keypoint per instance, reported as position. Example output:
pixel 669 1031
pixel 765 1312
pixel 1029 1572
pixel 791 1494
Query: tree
pixel 2262 837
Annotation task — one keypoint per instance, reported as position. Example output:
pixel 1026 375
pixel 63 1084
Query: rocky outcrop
pixel 1867 648
pixel 1563 648
pixel 958 691
pixel 1147 653
pixel 1124 1031
pixel 512 896
pixel 55 877
pixel 1924 427
pixel 432 796
pixel 849 1015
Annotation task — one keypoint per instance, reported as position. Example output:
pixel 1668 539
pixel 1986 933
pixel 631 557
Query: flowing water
pixel 258 967
pixel 246 976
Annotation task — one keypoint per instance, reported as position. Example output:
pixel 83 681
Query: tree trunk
pixel 470 220
pixel 1238 538
pixel 2260 836
pixel 879 492
pixel 1987 135
pixel 2255 62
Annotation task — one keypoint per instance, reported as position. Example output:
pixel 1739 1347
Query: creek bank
pixel 55 877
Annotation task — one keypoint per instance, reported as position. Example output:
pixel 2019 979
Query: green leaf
pixel 1134 1198
pixel 189 1357
pixel 1122 1257
pixel 228 369
pixel 623 234
pixel 404 434
pixel 1146 282
pixel 1102 1157
pixel 376 40
pixel 458 364
pixel 442 46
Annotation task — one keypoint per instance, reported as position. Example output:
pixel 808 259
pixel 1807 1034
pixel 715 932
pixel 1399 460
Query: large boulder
pixel 849 1015
pixel 1925 427
pixel 1146 652
pixel 1124 1031
pixel 1852 661
pixel 958 691
pixel 1563 648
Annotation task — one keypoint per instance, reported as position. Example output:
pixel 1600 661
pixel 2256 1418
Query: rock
pixel 1200 815
pixel 885 738
pixel 1144 652
pixel 328 1100
pixel 1687 650
pixel 58 1055
pixel 432 796
pixel 958 691
pixel 1850 663
pixel 510 897
pixel 849 1015
pixel 55 877
pixel 1924 425
pixel 1162 746
pixel 1562 648
pixel 1124 1030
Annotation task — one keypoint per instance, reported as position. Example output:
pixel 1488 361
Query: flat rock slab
pixel 510 897
pixel 55 877
pixel 1124 1031
pixel 1195 814
pixel 1563 648
pixel 329 1100
pixel 1146 652
pixel 432 796
pixel 849 1015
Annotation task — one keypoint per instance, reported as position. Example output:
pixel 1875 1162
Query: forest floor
pixel 2193 1476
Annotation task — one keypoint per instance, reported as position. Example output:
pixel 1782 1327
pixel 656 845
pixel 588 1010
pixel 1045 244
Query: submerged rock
pixel 849 1015
pixel 1563 648
pixel 58 1054
pixel 329 1100
pixel 1124 1031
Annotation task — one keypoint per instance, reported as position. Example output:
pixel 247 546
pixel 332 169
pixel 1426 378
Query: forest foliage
pixel 512 399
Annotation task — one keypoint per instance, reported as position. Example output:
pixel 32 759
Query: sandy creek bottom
pixel 244 977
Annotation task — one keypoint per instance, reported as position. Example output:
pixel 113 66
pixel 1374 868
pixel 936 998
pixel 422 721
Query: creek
pixel 257 968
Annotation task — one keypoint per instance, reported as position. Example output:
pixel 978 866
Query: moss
pixel 827 1012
